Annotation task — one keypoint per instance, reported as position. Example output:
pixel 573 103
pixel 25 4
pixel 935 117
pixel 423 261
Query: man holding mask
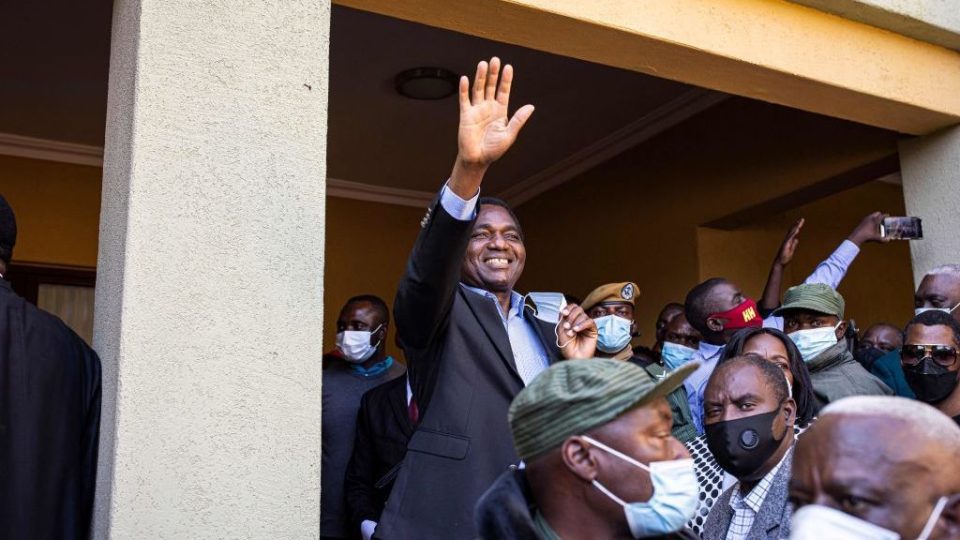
pixel 749 417
pixel 611 307
pixel 470 343
pixel 600 460
pixel 813 318
pixel 877 468
pixel 930 363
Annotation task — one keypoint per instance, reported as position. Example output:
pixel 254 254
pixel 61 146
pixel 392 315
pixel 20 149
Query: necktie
pixel 413 411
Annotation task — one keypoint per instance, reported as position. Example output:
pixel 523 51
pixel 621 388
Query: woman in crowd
pixel 772 345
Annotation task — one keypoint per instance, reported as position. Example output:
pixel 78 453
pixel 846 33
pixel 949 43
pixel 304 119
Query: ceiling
pixel 55 60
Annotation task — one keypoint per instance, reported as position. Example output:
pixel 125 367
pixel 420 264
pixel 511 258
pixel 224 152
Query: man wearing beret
pixel 49 415
pixel 612 307
pixel 813 318
pixel 600 460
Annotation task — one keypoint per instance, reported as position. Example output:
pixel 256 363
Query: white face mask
pixel 548 305
pixel 355 344
pixel 920 310
pixel 674 500
pixel 675 355
pixel 816 522
pixel 813 341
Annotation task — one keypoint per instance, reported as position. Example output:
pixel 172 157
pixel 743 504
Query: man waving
pixel 470 344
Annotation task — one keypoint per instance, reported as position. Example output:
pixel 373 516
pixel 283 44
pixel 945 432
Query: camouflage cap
pixel 575 396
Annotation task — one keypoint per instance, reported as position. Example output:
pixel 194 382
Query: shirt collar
pixel 516 299
pixel 754 499
pixel 709 350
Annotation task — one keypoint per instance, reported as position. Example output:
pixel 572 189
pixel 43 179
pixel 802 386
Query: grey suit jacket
pixel 773 520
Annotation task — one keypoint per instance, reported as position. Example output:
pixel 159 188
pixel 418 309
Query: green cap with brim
pixel 812 297
pixel 575 396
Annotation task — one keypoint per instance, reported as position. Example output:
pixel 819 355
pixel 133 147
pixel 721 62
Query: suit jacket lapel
pixel 398 406
pixel 486 313
pixel 722 507
pixel 772 512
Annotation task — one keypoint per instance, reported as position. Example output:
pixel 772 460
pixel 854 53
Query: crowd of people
pixel 537 417
pixel 512 416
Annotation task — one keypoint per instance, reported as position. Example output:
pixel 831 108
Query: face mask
pixel 814 341
pixel 920 310
pixel 548 305
pixel 743 316
pixel 930 381
pixel 868 356
pixel 675 355
pixel 674 500
pixel 743 445
pixel 816 522
pixel 355 345
pixel 614 333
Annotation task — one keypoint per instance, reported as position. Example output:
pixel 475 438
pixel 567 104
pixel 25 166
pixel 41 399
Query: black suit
pixel 463 376
pixel 383 430
pixel 49 424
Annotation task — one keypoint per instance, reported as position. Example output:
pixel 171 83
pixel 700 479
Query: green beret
pixel 813 297
pixel 575 396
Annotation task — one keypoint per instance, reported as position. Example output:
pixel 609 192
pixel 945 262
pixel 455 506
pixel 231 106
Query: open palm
pixel 485 131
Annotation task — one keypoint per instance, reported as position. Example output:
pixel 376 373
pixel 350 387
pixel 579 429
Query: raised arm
pixel 426 290
pixel 770 300
pixel 832 270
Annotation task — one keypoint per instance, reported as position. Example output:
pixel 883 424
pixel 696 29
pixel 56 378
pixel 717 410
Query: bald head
pixel 886 460
pixel 883 336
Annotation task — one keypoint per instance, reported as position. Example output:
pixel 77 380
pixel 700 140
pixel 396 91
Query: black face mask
pixel 868 355
pixel 930 381
pixel 743 445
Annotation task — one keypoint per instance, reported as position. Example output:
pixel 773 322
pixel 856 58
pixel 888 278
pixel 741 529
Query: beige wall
pixel 57 207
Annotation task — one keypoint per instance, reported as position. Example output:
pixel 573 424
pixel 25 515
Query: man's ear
pixel 577 457
pixel 790 411
pixel 633 328
pixel 841 330
pixel 714 324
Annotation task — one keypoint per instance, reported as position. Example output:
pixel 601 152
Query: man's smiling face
pixel 495 254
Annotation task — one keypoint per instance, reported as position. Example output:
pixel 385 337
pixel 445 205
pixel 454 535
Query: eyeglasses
pixel 944 355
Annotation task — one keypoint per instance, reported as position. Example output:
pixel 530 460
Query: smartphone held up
pixel 902 228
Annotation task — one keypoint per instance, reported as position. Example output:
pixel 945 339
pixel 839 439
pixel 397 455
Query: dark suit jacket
pixel 773 519
pixel 383 430
pixel 49 424
pixel 463 376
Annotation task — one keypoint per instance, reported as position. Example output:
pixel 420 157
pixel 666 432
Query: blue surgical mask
pixel 813 341
pixel 614 333
pixel 674 500
pixel 547 305
pixel 948 311
pixel 675 355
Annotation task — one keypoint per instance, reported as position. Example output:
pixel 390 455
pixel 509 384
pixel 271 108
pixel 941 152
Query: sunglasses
pixel 944 355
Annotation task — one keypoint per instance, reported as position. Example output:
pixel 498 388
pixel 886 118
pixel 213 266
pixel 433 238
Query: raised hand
pixel 576 333
pixel 485 131
pixel 869 230
pixel 789 245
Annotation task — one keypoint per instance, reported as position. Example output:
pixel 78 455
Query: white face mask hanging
pixel 547 306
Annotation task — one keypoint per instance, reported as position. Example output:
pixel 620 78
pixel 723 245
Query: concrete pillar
pixel 930 167
pixel 209 297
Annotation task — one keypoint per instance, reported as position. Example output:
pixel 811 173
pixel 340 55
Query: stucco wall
pixel 210 289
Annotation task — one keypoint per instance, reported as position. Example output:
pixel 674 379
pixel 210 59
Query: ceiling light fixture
pixel 426 83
